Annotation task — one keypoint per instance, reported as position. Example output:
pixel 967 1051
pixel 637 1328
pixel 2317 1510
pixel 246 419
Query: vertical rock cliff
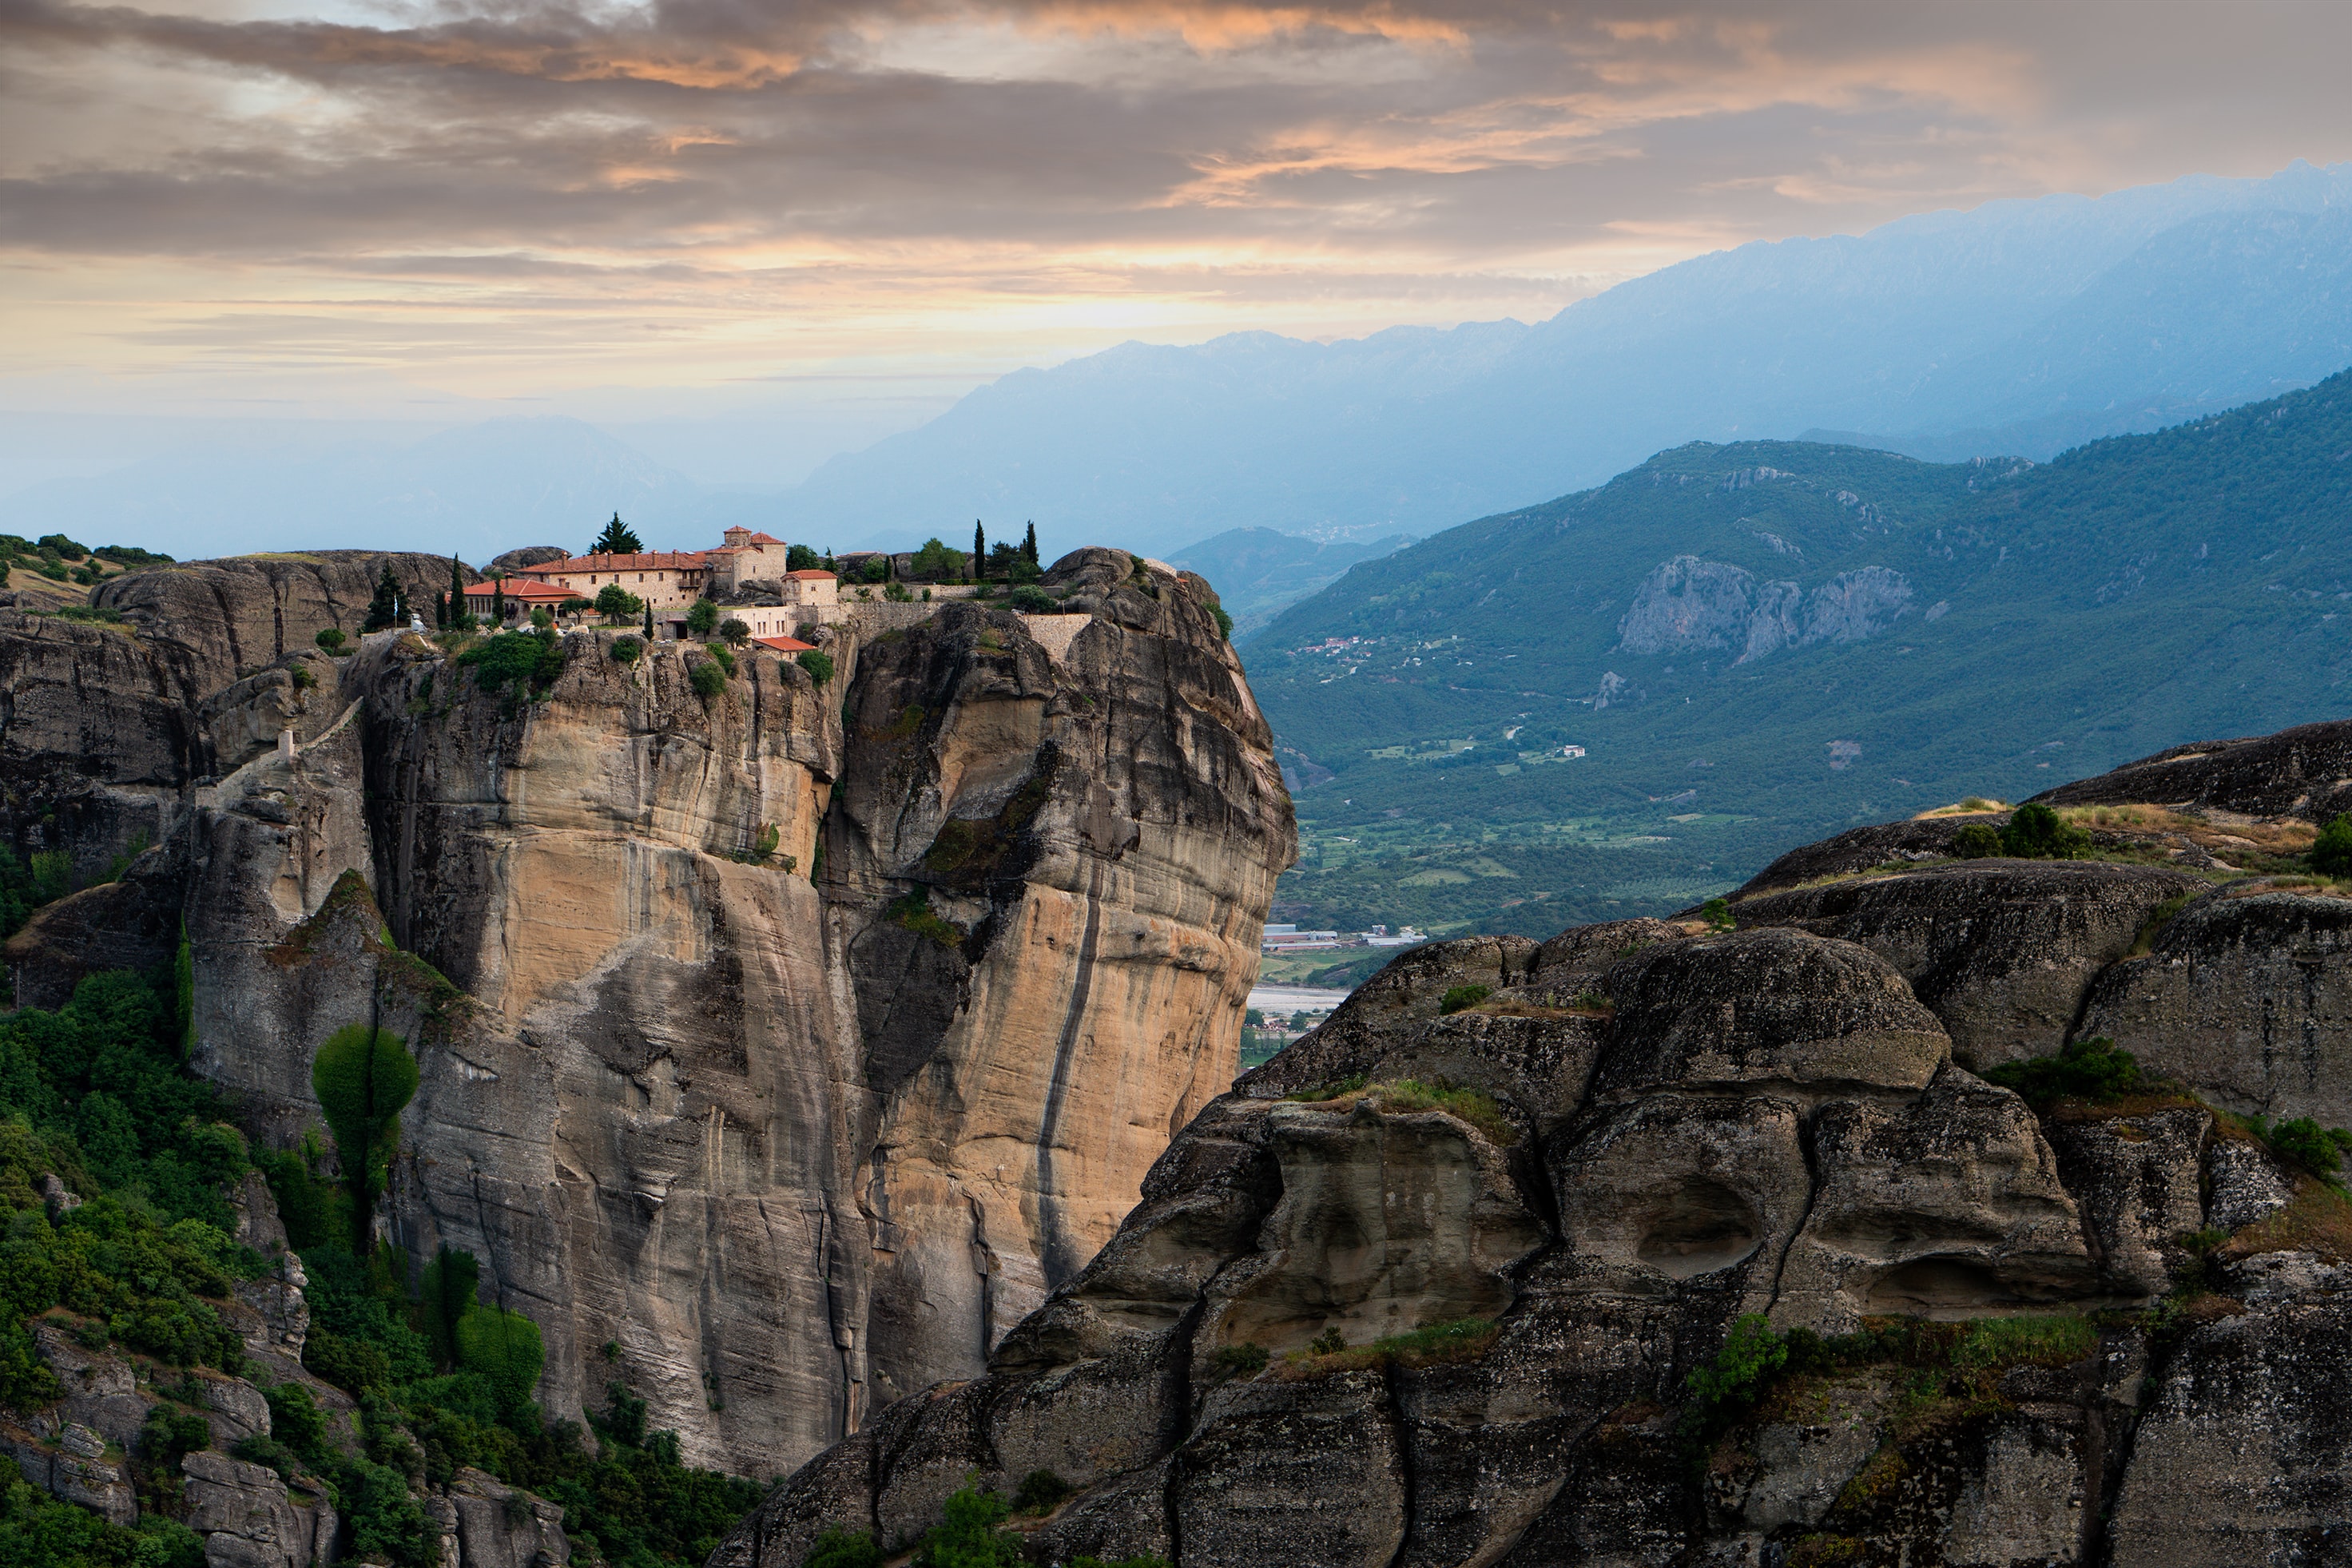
pixel 783 1046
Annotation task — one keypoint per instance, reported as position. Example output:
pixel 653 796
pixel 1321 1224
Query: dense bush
pixel 2331 852
pixel 27 884
pixel 735 631
pixel 2092 1069
pixel 1034 600
pixel 2304 1144
pixel 1725 1388
pixel 1976 842
pixel 523 661
pixel 1457 998
pixel 818 664
pixel 2037 833
pixel 937 559
pixel 1247 1360
pixel 708 679
pixel 627 649
pixel 38 1532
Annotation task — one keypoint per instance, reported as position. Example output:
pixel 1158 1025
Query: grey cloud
pixel 1474 148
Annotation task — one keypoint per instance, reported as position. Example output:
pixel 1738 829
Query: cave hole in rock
pixel 1944 1288
pixel 1697 1228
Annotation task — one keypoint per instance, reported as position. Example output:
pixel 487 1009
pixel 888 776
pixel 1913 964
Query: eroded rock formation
pixel 783 1045
pixel 2102 1333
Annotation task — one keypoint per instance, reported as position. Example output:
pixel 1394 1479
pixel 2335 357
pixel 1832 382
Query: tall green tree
pixel 384 605
pixel 979 550
pixel 450 1284
pixel 619 538
pixel 362 1077
pixel 649 624
pixel 1029 546
pixel 617 604
pixel 456 589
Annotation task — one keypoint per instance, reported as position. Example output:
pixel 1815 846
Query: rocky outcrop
pixel 2245 1453
pixel 796 1042
pixel 494 1525
pixel 530 555
pixel 106 724
pixel 1527 1190
pixel 96 740
pixel 1690 605
pixel 1864 848
pixel 2245 996
pixel 2304 772
pixel 1765 1121
pixel 249 1519
pixel 217 620
pixel 2003 951
pixel 74 1464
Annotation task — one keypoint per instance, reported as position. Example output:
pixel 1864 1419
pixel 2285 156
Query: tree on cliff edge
pixel 616 539
pixel 384 607
pixel 979 550
pixel 1029 546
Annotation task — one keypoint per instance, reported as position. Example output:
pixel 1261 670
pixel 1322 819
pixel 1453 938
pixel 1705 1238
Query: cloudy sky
pixel 693 205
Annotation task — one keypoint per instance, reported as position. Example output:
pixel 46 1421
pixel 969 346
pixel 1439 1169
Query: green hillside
pixel 2031 624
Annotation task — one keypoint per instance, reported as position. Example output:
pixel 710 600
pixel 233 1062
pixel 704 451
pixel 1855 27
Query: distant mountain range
pixel 2022 327
pixel 1256 571
pixel 1622 698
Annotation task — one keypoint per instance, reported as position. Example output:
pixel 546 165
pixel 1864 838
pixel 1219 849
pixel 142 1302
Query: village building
pixel 522 595
pixel 766 620
pixel 661 578
pixel 744 556
pixel 811 589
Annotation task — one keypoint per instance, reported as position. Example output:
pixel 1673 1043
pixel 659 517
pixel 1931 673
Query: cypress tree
pixel 1029 545
pixel 649 622
pixel 384 605
pixel 498 603
pixel 979 550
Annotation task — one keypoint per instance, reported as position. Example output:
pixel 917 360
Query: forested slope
pixel 1854 634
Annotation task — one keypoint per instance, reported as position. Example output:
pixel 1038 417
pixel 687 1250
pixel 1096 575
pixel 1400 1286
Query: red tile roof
pixel 810 574
pixel 785 645
pixel 649 560
pixel 517 588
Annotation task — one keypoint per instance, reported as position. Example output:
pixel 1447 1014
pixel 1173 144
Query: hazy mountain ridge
pixel 2056 620
pixel 2013 320
pixel 1256 571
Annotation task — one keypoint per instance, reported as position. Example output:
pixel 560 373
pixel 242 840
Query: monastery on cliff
pixel 670 581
